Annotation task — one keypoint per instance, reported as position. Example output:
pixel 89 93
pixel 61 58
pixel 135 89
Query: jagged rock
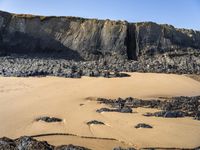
pixel 96 122
pixel 171 108
pixel 126 109
pixel 70 147
pixel 105 110
pixel 120 148
pixel 197 115
pixel 122 110
pixel 48 119
pixel 28 143
pixel 167 114
pixel 143 125
pixel 7 144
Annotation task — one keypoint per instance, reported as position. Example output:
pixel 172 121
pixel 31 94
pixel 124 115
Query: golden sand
pixel 24 99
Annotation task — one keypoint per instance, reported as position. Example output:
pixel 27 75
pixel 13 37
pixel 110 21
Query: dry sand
pixel 24 99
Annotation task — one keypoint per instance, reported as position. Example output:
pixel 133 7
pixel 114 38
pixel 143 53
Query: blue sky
pixel 180 13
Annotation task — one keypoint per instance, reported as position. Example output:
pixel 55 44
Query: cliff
pixel 91 38
pixel 72 47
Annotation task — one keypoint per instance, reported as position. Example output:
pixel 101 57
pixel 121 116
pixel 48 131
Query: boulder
pixel 49 119
pixel 143 125
pixel 95 122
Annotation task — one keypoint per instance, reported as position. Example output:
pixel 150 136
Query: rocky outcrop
pixel 95 122
pixel 48 119
pixel 167 114
pixel 143 125
pixel 102 44
pixel 28 143
pixel 171 108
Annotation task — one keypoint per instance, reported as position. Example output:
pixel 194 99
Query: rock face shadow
pixel 35 47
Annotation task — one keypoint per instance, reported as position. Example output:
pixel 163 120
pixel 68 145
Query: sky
pixel 180 13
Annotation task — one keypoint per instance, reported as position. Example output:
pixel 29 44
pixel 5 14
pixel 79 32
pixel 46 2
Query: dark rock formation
pixel 105 110
pixel 197 115
pixel 143 125
pixel 7 144
pixel 28 143
pixel 70 147
pixel 120 148
pixel 126 109
pixel 29 33
pixel 96 122
pixel 73 47
pixel 31 144
pixel 171 108
pixel 123 110
pixel 23 143
pixel 48 119
pixel 23 66
pixel 167 114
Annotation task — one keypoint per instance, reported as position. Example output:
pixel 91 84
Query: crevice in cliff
pixel 131 42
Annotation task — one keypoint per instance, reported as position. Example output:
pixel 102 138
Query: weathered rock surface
pixel 143 125
pixel 70 147
pixel 73 47
pixel 122 110
pixel 28 143
pixel 49 119
pixel 105 110
pixel 167 114
pixel 120 148
pixel 95 122
pixel 171 108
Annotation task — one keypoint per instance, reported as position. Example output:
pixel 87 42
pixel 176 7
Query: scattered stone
pixel 143 125
pixel 81 104
pixel 171 107
pixel 25 66
pixel 95 122
pixel 49 119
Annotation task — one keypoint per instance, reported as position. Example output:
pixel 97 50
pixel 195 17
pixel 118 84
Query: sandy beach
pixel 22 100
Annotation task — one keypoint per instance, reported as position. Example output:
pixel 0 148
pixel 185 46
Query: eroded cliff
pixel 82 37
pixel 145 46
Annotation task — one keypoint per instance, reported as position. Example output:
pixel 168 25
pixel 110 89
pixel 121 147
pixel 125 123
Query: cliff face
pixel 25 33
pixel 89 38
